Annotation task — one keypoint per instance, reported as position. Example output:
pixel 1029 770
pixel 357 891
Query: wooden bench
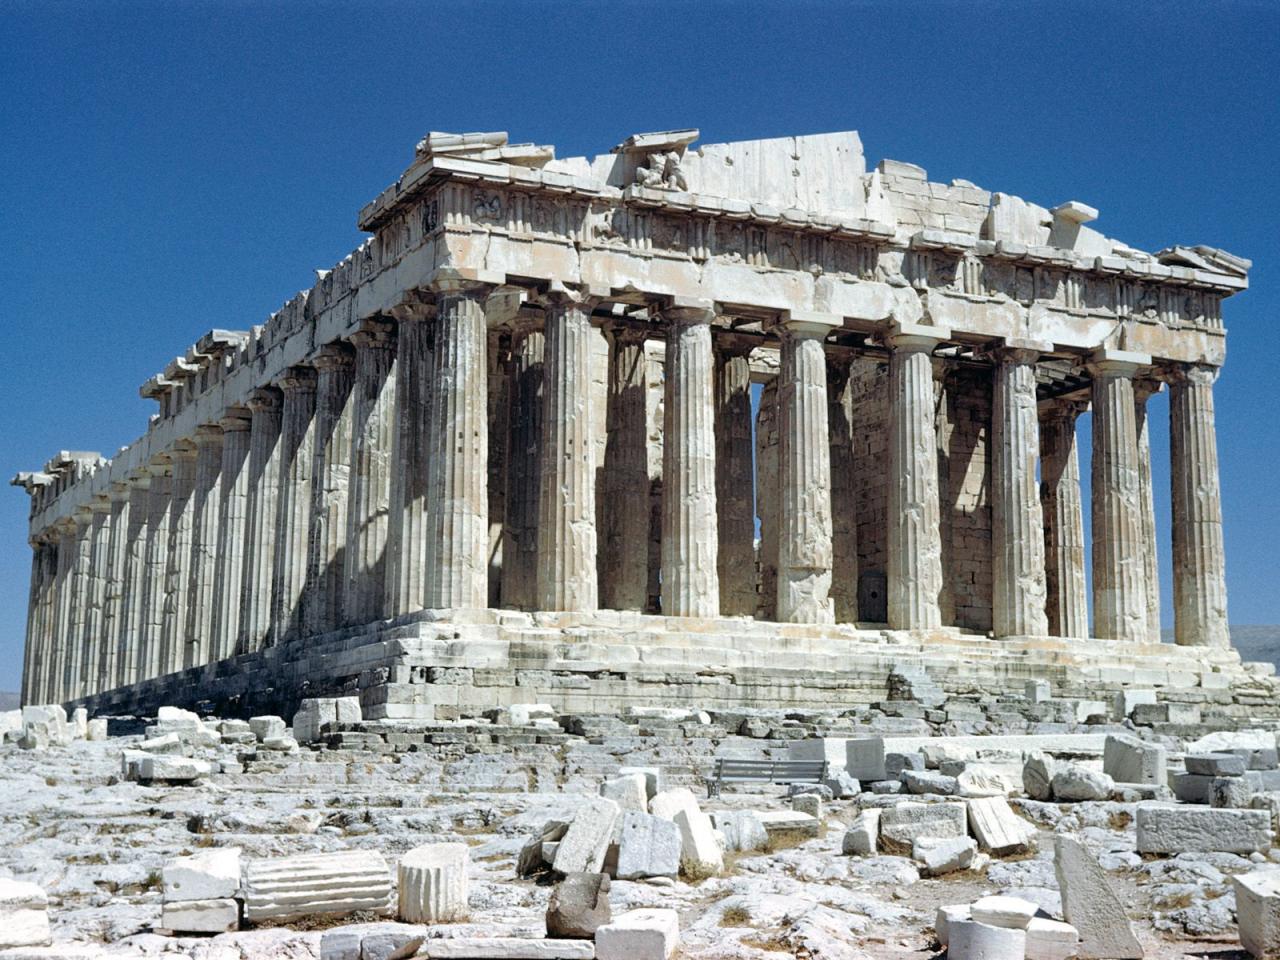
pixel 765 771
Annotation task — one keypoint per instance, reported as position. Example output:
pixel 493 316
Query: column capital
pixel 183 450
pixel 688 312
pixel 619 330
pixel 1146 387
pixel 526 321
pixel 300 378
pixel 82 517
pixel 263 399
pixel 100 504
pixel 806 324
pixel 119 491
pixel 235 418
pixel 1062 408
pixel 418 307
pixel 560 295
pixel 915 337
pixel 374 335
pixel 1116 363
pixel 207 433
pixel 332 356
pixel 471 283
pixel 139 479
pixel 1200 374
pixel 1019 350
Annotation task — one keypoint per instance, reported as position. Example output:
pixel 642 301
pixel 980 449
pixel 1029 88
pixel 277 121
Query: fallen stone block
pixel 629 792
pixel 651 934
pixel 24 914
pixel 1128 760
pixel 172 769
pixel 1037 776
pixel 864 758
pixel 1051 939
pixel 1231 793
pixel 649 846
pixel 268 727
pixel 1169 829
pixel 833 750
pixel 208 875
pixel 741 829
pixel 782 822
pixel 998 830
pixel 652 779
pixel 971 940
pixel 941 855
pixel 1225 741
pixel 314 713
pixel 997 911
pixel 200 916
pixel 987 780
pixel 670 802
pixel 1037 691
pixel 842 786
pixel 700 854
pixel 902 825
pixel 1149 714
pixel 929 782
pixel 579 905
pixel 433 883
pixel 526 714
pixel 861 837
pixel 895 763
pixel 1091 906
pixel 1258 911
pixel 169 744
pixel 810 803
pixel 316 884
pixel 1073 783
pixel 946 916
pixel 532 855
pixel 584 846
pixel 50 721
pixel 1191 787
pixel 97 730
pixel 507 948
pixel 1126 700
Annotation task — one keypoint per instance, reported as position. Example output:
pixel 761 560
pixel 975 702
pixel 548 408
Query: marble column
pixel 369 489
pixel 114 585
pixel 151 626
pixel 406 535
pixel 690 586
pixel 566 570
pixel 735 489
pixel 293 514
pixel 233 524
pixel 804 473
pixel 767 504
pixel 133 608
pixel 31 642
pixel 1017 523
pixel 457 495
pixel 1061 505
pixel 1143 389
pixel 260 519
pixel 178 562
pixel 626 484
pixel 81 575
pixel 44 572
pixel 95 589
pixel 201 590
pixel 1199 562
pixel 844 500
pixel 914 536
pixel 524 463
pixel 1119 595
pixel 322 606
pixel 64 605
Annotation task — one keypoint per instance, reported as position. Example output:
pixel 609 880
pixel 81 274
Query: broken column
pixel 319 883
pixel 433 883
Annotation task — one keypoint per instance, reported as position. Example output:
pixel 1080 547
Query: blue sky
pixel 171 167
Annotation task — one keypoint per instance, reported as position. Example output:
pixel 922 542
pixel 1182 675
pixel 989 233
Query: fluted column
pixel 566 578
pixel 735 489
pixel 1061 504
pixel 178 562
pixel 151 627
pixel 406 536
pixel 293 515
pixel 1119 595
pixel 81 575
pixel 1143 389
pixel 260 521
pixel 113 586
pixel 369 490
pixel 95 589
pixel 1017 523
pixel 322 606
pixel 457 496
pixel 690 585
pixel 915 540
pixel 133 607
pixel 233 527
pixel 35 650
pixel 844 500
pixel 626 514
pixel 1199 560
pixel 201 589
pixel 804 472
pixel 524 463
pixel 63 605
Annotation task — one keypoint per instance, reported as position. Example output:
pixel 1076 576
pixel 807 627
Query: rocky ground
pixel 97 843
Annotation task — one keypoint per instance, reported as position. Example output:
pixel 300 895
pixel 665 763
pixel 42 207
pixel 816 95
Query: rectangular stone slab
pixel 1168 829
pixel 507 948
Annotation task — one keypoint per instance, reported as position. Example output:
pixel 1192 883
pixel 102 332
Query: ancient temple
pixel 733 423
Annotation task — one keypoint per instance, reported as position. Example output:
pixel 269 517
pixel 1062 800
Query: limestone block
pixel 987 780
pixel 1037 691
pixel 1090 708
pixel 267 727
pixel 279 745
pixel 433 883
pixel 1231 792
pixel 315 712
pixel 1147 714
pixel 652 779
pixel 670 802
pixel 864 758
pixel 929 782
pixel 579 905
pixel 1225 741
pixel 586 842
pixel 78 725
pixel 1128 760
pixel 948 914
pixel 810 803
pixel 649 847
pixel 1091 906
pixel 54 718
pixel 834 750
pixel 524 714
pixel 700 854
pixel 97 729
pixel 24 915
pixel 1073 783
pixel 208 875
pixel 200 916
pixel 998 830
pixel 997 911
pixel 842 786
pixel 861 837
pixel 167 744
pixel 788 822
pixel 1037 776
pixel 971 940
pixel 533 854
pixel 1126 700
pixel 1258 911
pixel 629 792
pixel 1168 829
pixel 942 855
pixel 1216 764
pixel 895 763
pixel 902 825
pixel 172 769
pixel 506 948
pixel 742 829
pixel 651 934
pixel 1051 939
pixel 1191 787
pixel 319 883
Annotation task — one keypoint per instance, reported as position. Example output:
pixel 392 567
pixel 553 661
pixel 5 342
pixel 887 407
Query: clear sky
pixel 168 167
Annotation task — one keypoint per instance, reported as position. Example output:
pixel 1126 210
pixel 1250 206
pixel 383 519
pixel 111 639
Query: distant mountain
pixel 10 701
pixel 1258 642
